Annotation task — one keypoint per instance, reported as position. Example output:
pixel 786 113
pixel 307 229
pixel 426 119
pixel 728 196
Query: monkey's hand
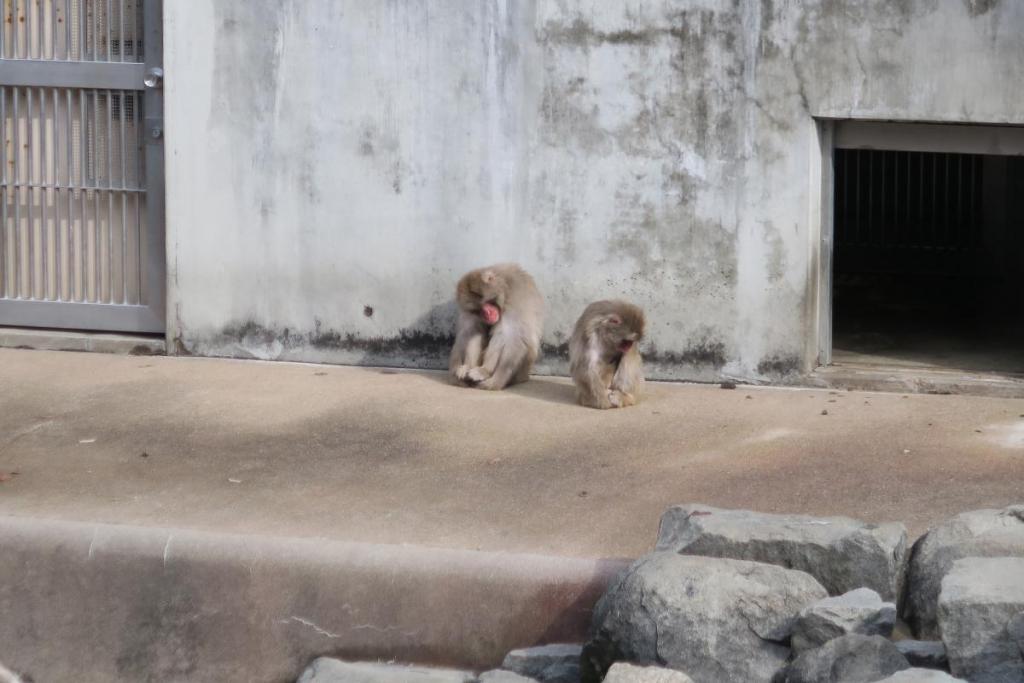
pixel 461 372
pixel 477 375
pixel 619 399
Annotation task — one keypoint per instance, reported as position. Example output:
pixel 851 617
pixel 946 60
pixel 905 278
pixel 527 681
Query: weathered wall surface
pixel 333 167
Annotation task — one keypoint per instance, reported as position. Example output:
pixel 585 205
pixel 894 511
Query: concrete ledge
pixel 918 380
pixel 98 342
pixel 93 602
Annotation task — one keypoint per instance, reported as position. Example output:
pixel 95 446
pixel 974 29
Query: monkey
pixel 497 336
pixel 603 357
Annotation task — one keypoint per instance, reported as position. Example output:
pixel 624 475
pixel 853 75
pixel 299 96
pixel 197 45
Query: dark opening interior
pixel 928 260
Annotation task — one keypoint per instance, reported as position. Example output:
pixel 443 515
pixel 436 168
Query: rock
pixel 842 553
pixel 852 658
pixel 502 676
pixel 327 670
pixel 622 672
pixel 547 663
pixel 716 619
pixel 1015 629
pixel 930 654
pixel 981 533
pixel 921 676
pixel 859 611
pixel 979 604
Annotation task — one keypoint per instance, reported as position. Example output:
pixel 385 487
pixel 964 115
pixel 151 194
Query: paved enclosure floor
pixel 389 456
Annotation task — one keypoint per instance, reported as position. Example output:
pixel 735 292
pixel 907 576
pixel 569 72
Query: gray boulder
pixel 842 553
pixel 622 672
pixel 979 604
pixel 852 658
pixel 327 670
pixel 859 611
pixel 502 676
pixel 921 676
pixel 981 533
pixel 547 663
pixel 1015 629
pixel 928 654
pixel 716 619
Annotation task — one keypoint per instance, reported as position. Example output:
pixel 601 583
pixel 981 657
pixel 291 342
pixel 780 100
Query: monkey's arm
pixel 468 348
pixel 591 389
pixel 629 376
pixel 506 362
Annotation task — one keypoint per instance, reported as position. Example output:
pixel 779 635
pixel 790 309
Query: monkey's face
pixel 620 334
pixel 483 295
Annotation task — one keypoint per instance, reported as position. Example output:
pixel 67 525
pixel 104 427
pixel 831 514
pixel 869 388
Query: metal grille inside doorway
pixel 74 200
pixel 907 212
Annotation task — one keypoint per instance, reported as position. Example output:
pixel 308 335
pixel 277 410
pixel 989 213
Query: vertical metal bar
pixel 110 33
pixel 69 177
pixel 124 194
pixel 138 143
pixel 934 241
pixel 947 228
pixel 17 196
pixel 110 201
pixel 30 187
pixel 95 30
pixel 960 243
pixel 907 200
pixel 975 227
pixel 58 234
pixel 134 29
pixel 871 196
pixel 856 199
pixel 67 34
pixel 120 32
pixel 921 198
pixel 41 28
pixel 4 131
pixel 53 29
pixel 28 29
pixel 95 160
pixel 900 226
pixel 43 195
pixel 82 143
pixel 83 30
pixel 15 25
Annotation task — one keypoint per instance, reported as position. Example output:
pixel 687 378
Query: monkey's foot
pixel 461 372
pixel 476 375
pixel 490 384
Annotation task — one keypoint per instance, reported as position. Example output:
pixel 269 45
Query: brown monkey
pixel 497 338
pixel 603 356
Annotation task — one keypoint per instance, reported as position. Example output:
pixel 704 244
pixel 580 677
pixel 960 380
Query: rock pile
pixel 738 596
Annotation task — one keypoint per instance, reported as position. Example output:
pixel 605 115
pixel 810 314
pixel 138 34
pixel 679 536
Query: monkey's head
pixel 482 293
pixel 620 326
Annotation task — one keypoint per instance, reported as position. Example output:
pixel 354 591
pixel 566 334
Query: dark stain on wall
pixel 780 365
pixel 555 351
pixel 977 8
pixel 703 353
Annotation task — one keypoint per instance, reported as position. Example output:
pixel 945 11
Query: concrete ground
pixel 384 456
pixel 166 519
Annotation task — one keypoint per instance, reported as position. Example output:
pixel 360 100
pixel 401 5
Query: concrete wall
pixel 333 167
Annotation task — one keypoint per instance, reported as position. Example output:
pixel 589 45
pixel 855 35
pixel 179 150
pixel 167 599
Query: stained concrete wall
pixel 333 167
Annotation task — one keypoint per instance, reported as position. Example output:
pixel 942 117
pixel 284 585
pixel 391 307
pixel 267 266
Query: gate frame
pixel 149 317
pixel 908 136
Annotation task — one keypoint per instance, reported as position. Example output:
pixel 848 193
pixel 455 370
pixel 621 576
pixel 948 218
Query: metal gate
pixel 82 208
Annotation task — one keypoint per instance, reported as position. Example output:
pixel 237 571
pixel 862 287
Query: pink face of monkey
pixel 490 313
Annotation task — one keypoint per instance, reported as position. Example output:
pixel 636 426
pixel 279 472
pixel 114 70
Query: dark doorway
pixel 928 260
